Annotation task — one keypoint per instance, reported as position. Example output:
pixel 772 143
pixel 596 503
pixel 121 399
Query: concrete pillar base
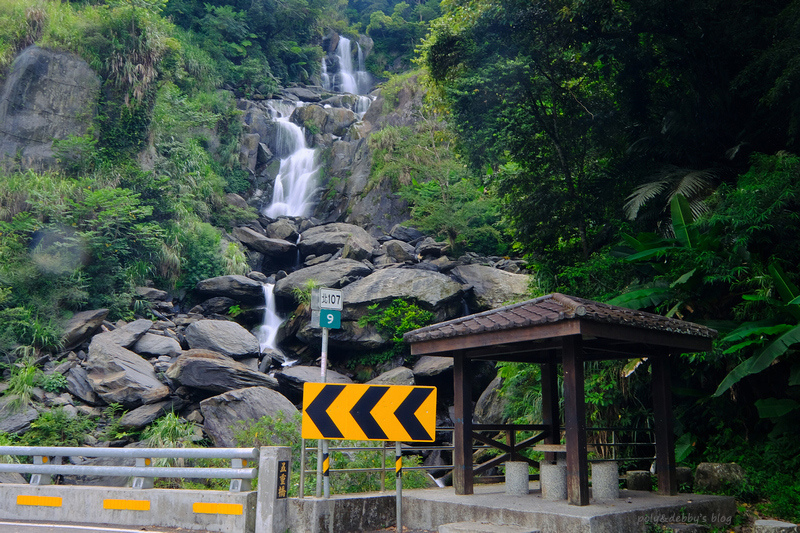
pixel 554 481
pixel 605 480
pixel 517 478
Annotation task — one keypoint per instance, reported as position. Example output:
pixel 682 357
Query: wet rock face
pixel 48 95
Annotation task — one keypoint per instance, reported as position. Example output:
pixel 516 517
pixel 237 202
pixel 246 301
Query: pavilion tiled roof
pixel 551 308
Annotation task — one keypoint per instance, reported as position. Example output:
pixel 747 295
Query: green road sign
pixel 330 318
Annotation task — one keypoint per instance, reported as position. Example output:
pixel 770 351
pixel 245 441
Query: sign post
pixel 397 413
pixel 326 312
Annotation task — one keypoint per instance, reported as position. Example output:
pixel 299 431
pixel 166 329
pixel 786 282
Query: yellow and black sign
pixel 369 412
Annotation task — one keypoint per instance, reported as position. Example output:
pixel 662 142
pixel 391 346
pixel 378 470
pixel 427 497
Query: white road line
pixel 63 526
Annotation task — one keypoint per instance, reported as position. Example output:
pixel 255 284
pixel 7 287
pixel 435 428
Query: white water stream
pixel 268 329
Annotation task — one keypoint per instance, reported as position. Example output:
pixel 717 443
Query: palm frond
pixel 641 195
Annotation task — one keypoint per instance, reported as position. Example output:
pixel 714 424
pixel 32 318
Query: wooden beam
pixel 644 336
pixel 575 422
pixel 550 412
pixel 664 433
pixel 462 432
pixel 493 338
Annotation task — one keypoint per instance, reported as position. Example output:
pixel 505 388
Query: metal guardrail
pixel 47 462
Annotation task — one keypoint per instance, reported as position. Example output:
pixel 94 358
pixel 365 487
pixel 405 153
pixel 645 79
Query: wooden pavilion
pixel 566 330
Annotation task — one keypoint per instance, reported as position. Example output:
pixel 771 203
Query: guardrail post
pixel 40 479
pixel 239 485
pixel 274 475
pixel 143 482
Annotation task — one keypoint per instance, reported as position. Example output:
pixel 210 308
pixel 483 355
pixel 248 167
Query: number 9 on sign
pixel 330 318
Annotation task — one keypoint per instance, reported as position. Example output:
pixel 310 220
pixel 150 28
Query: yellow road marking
pixel 127 505
pixel 40 501
pixel 218 508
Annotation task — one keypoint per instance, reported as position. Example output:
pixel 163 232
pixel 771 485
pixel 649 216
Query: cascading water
pixel 348 79
pixel 363 79
pixel 294 184
pixel 268 329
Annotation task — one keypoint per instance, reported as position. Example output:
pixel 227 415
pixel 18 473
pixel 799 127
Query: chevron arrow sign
pixel 369 412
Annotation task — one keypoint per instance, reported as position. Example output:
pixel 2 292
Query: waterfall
pixel 326 80
pixel 294 184
pixel 268 329
pixel 347 81
pixel 363 79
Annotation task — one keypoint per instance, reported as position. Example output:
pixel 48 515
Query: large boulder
pixel 15 418
pixel 333 274
pixel 232 286
pixel 147 414
pixel 263 244
pixel 78 385
pixel 292 379
pixel 118 375
pixel 490 408
pixel 330 238
pixel 492 287
pixel 208 370
pixel 81 326
pixel 47 96
pixel 128 334
pixel 224 414
pixel 223 336
pixel 152 344
pixel 715 477
pixel 430 290
pixel 400 375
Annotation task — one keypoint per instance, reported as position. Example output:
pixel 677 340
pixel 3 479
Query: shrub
pixel 57 428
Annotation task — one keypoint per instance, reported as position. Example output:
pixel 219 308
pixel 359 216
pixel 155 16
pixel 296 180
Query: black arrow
pixel 317 411
pixel 405 414
pixel 362 415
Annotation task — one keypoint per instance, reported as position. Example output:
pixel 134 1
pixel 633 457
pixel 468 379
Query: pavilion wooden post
pixel 665 437
pixel 575 421
pixel 550 415
pixel 462 426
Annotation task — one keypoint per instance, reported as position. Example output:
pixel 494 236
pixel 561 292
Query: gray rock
pixel 331 238
pixel 492 287
pixel 128 334
pixel 430 366
pixel 209 370
pixel 292 379
pixel 15 419
pixel 81 326
pixel 430 247
pixel 303 94
pixel 233 286
pixel 12 477
pixel 78 385
pixel 262 244
pixel 219 305
pixel 333 274
pixel 224 414
pixel 774 526
pixel 396 376
pixel 714 477
pixel 105 481
pixel 491 406
pixel 151 344
pixel 639 480
pixel 400 251
pixel 404 233
pixel 151 294
pixel 147 414
pixel 283 229
pixel 118 375
pixel 225 337
pixel 430 290
pixel 48 95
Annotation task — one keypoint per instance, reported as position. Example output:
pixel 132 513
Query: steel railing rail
pixel 152 453
pixel 143 473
